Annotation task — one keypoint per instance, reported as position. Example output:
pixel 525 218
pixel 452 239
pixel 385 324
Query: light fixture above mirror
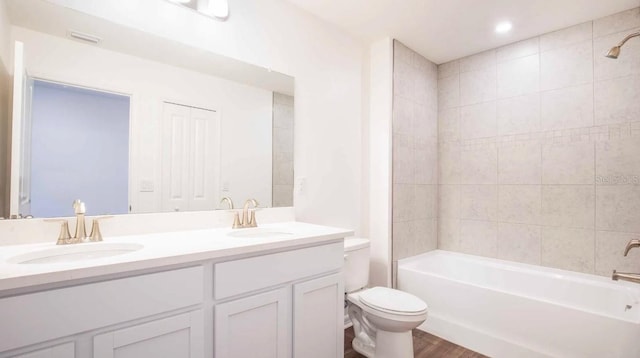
pixel 218 9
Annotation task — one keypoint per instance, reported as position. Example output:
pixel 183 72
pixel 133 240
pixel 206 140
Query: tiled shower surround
pixel 282 163
pixel 539 151
pixel 415 153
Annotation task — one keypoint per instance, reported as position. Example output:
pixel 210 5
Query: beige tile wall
pixel 282 150
pixel 539 149
pixel 415 153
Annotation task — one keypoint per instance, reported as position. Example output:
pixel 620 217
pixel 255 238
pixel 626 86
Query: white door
pixel 205 159
pixel 175 157
pixel 257 326
pixel 179 336
pixel 318 318
pixel 190 158
pixel 66 350
pixel 19 197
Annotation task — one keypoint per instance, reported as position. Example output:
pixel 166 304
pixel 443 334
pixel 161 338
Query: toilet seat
pixel 392 301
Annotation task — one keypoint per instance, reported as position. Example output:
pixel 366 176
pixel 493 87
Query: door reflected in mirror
pixel 138 123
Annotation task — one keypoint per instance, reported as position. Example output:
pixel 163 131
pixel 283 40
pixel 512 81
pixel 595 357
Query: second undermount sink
pixel 75 252
pixel 259 233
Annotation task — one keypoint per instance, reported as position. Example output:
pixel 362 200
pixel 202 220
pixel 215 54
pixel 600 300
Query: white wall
pixel 245 111
pixel 326 64
pixel 380 94
pixel 5 81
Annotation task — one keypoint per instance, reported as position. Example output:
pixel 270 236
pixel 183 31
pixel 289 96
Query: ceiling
pixel 444 30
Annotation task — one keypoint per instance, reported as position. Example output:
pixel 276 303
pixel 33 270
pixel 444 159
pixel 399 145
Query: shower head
pixel 615 50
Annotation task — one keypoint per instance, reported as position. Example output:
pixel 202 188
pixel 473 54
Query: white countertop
pixel 159 250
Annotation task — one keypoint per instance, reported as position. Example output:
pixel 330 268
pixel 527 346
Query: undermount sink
pixel 258 233
pixel 75 252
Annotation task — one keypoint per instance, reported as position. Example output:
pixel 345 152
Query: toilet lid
pixel 395 301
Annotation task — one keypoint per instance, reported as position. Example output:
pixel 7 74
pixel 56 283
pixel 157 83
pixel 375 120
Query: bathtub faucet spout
pixel 625 276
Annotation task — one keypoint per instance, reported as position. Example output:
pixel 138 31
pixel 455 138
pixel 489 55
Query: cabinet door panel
pixel 256 326
pixel 318 317
pixel 66 350
pixel 174 337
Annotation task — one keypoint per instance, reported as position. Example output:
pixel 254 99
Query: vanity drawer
pixel 240 276
pixel 41 316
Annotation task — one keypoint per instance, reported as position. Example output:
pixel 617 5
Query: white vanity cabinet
pixel 307 294
pixel 180 336
pixel 279 304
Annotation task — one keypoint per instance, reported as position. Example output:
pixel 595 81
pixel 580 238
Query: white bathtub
pixel 506 309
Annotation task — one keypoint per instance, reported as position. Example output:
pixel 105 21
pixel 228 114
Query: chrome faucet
pixel 229 202
pixel 248 217
pixel 236 217
pixel 625 276
pixel 628 276
pixel 80 233
pixel 246 221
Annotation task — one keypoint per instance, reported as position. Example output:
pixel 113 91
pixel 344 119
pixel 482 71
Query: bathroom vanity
pixel 273 291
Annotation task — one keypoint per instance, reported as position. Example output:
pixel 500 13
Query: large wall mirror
pixel 133 123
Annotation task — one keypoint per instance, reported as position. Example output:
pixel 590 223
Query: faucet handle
pixel 252 220
pixel 96 234
pixel 64 237
pixel 236 220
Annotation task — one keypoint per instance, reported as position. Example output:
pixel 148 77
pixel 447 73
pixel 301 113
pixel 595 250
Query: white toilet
pixel 382 317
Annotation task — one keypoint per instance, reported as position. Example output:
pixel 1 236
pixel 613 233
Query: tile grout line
pixel 541 145
pixel 497 162
pixel 593 108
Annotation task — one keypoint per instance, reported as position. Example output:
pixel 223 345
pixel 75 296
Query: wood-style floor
pixel 425 345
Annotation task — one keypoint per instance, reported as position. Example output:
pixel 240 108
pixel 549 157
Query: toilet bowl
pixel 382 317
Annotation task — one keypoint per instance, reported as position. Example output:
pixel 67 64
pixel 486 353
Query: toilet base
pixel 388 345
pixel 394 345
pixel 365 349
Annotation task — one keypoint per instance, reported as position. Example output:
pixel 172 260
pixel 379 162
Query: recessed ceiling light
pixel 503 27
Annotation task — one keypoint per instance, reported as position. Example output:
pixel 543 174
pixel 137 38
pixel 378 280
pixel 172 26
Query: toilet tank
pixel 356 263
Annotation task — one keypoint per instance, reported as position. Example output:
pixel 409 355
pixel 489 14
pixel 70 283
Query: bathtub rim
pixel 404 264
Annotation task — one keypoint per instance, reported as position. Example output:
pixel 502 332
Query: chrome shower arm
pixel 630 36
